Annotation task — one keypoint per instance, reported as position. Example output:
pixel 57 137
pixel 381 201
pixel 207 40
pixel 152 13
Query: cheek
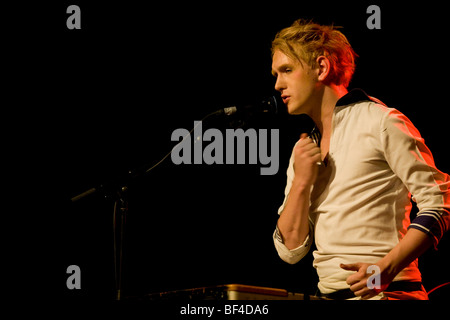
pixel 300 89
pixel 301 93
pixel 305 85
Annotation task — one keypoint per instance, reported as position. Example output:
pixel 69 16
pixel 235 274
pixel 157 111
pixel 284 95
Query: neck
pixel 323 112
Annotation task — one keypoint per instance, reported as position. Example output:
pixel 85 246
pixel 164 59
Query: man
pixel 349 189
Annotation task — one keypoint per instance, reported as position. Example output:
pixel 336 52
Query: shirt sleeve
pixel 294 255
pixel 411 160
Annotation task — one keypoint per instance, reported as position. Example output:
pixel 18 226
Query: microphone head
pixel 267 105
pixel 229 111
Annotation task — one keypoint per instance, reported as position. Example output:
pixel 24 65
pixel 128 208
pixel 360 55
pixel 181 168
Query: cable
pixel 170 152
pixel 439 286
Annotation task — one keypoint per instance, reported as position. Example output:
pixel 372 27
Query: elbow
pixel 291 259
pixel 292 256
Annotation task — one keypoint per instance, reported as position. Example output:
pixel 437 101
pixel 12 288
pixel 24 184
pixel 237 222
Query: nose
pixel 280 84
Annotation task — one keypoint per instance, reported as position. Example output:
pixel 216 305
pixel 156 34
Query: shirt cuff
pixel 290 256
pixel 430 222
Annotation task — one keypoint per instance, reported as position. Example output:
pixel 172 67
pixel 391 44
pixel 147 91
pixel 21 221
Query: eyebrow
pixel 283 67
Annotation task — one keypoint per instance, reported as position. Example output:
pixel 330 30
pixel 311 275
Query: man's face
pixel 296 82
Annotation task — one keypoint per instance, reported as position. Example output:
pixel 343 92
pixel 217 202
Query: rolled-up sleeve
pixel 294 255
pixel 413 163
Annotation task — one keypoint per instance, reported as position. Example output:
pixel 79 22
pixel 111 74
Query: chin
pixel 294 110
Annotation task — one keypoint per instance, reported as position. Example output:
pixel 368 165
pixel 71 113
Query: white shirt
pixel 360 203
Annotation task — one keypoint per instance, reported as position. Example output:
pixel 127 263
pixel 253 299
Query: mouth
pixel 285 99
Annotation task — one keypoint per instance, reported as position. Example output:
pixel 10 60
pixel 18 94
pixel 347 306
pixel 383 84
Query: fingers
pixel 303 136
pixel 305 141
pixel 307 145
pixel 358 280
pixel 358 286
pixel 351 266
pixel 355 277
pixel 306 156
pixel 365 293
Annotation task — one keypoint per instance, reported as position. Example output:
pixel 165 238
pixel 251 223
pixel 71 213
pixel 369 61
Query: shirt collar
pixel 353 96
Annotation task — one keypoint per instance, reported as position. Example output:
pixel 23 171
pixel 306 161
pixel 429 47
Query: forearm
pixel 413 245
pixel 293 223
pixel 407 250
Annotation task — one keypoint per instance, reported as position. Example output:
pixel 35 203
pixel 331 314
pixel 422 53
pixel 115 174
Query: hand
pixel 358 281
pixel 306 156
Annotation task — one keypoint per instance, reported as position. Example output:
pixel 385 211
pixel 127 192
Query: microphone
pixel 268 105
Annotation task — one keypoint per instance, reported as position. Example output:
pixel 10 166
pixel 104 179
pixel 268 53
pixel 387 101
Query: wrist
pixel 388 268
pixel 301 187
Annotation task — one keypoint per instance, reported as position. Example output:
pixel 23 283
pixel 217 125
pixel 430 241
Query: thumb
pixel 303 136
pixel 351 266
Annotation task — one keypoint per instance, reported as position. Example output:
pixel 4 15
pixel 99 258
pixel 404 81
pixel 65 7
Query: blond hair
pixel 306 41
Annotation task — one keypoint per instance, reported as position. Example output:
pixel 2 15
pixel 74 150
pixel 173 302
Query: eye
pixel 287 70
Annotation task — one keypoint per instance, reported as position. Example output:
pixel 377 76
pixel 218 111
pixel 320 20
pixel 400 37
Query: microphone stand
pixel 119 219
pixel 118 192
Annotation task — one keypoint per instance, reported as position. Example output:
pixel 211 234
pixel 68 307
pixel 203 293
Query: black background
pixel 105 99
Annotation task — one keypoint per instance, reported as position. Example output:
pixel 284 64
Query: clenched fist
pixel 306 156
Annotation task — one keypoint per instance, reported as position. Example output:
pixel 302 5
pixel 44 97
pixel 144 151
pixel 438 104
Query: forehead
pixel 279 60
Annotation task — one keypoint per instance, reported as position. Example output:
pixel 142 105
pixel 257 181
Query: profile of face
pixel 297 82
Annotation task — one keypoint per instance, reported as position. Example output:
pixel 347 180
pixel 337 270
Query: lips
pixel 285 98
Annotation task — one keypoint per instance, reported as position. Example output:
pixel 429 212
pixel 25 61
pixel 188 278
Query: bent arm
pixel 293 223
pixel 411 160
pixel 291 236
pixel 412 246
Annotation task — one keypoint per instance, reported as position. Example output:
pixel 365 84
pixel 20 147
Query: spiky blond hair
pixel 306 41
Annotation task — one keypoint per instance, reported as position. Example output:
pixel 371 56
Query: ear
pixel 323 68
